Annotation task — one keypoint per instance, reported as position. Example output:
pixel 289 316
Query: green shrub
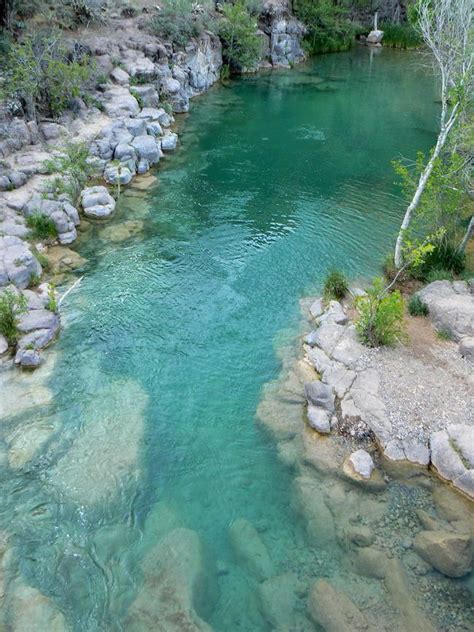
pixel 335 286
pixel 12 305
pixel 327 26
pixel 73 166
pixel 41 226
pixel 380 316
pixel 444 257
pixel 52 304
pixel 242 47
pixel 178 23
pixel 400 36
pixel 43 75
pixel 439 275
pixel 416 307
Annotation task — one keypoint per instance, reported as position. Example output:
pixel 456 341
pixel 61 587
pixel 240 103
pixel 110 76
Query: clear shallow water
pixel 172 333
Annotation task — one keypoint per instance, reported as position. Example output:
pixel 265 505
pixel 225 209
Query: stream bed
pixel 146 415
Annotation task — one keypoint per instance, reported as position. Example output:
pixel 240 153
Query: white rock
pixel 318 418
pixel 362 463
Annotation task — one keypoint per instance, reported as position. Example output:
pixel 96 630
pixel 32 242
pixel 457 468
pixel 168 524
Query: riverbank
pixel 127 132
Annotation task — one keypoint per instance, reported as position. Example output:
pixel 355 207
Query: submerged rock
pixel 449 553
pixel 333 610
pixel 249 549
pixel 32 610
pixel 360 463
pixel 318 419
pixel 277 597
pixel 106 447
pixel 174 580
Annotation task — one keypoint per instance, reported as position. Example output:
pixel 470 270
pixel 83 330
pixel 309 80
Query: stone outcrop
pixel 452 455
pixel 285 34
pixel 18 265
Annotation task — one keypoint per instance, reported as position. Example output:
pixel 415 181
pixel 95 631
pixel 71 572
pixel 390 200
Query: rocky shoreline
pixel 128 131
pixel 355 392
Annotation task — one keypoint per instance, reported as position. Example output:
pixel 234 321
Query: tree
pixel 446 28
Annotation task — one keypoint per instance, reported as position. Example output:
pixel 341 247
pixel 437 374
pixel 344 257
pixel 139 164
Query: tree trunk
pixel 467 236
pixel 424 177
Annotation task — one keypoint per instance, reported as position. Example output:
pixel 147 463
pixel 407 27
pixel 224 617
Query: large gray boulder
pixel 169 142
pixel 452 455
pixel 114 174
pixel 38 319
pixel 17 263
pixel 146 148
pixel 320 395
pixel 120 102
pixel 97 202
pixel 451 307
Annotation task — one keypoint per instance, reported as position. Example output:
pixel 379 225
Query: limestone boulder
pixel 17 263
pixel 97 202
pixel 60 211
pixel 146 148
pixel 375 37
pixel 451 307
pixel 448 552
pixel 319 419
pixel 360 463
pixel 169 142
pixel 320 395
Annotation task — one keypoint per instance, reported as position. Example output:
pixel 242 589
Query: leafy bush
pixel 328 29
pixel 400 36
pixel 178 22
pixel 41 226
pixel 380 316
pixel 42 75
pixel 242 47
pixel 335 286
pixel 416 307
pixel 73 166
pixel 12 305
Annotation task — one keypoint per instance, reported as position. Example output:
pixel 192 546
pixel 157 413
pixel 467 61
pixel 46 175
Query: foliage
pixel 444 256
pixel 242 46
pixel 444 334
pixel 66 14
pixel 335 286
pixel 178 22
pixel 73 165
pixel 438 274
pixel 328 28
pixel 41 226
pixel 52 304
pixel 380 316
pixel 401 36
pixel 12 305
pixel 416 307
pixel 43 75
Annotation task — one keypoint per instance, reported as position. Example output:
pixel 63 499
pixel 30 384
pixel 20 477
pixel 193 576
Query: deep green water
pixel 278 177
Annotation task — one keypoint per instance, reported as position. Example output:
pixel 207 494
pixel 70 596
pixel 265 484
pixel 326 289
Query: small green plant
pixel 34 281
pixel 42 259
pixel 242 47
pixel 444 334
pixel 74 168
pixel 12 306
pixel 52 303
pixel 137 96
pixel 41 226
pixel 380 316
pixel 416 307
pixel 439 275
pixel 335 286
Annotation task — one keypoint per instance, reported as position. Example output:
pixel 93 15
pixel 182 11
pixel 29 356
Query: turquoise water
pixel 172 333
